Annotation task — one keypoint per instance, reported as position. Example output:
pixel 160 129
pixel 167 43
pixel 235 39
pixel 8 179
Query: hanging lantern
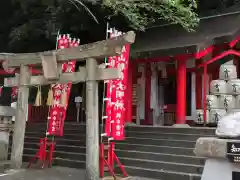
pixel 38 101
pixel 50 97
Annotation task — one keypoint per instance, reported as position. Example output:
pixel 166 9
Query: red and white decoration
pixel 116 94
pixel 58 111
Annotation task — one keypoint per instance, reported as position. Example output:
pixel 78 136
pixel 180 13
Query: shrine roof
pixel 169 38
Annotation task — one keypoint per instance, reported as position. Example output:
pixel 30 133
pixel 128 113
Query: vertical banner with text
pixel 116 94
pixel 58 110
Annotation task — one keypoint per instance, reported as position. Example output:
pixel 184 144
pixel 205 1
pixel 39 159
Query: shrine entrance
pixel 155 94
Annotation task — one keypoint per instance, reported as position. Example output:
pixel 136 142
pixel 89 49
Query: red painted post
pixel 181 91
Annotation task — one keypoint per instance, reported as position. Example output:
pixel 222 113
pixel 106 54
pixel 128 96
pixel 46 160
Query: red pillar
pixel 147 93
pixel 181 91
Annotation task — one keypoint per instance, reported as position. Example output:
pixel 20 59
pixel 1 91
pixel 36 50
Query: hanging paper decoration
pixel 38 101
pixel 61 92
pixel 116 91
pixel 50 97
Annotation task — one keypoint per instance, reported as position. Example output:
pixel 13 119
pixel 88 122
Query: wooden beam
pixel 81 76
pixel 100 49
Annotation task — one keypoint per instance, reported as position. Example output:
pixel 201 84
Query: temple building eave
pixel 161 40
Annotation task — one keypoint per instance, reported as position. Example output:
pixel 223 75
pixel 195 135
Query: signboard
pixel 233 152
pixel 78 99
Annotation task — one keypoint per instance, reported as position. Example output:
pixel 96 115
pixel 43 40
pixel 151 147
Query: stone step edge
pixel 164 154
pixel 120 150
pixel 126 139
pixel 162 162
pixel 132 167
pixel 132 151
pixel 132 159
pixel 164 171
pixel 146 145
pixel 149 133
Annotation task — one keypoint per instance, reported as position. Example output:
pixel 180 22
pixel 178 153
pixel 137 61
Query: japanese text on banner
pixel 116 89
pixel 58 110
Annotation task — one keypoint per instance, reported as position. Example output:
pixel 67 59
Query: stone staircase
pixel 164 153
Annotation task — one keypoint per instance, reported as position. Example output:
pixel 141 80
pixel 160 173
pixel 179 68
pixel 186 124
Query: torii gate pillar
pixel 21 118
pixel 92 121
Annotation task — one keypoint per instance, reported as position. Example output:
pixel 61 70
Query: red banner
pixel 58 111
pixel 116 94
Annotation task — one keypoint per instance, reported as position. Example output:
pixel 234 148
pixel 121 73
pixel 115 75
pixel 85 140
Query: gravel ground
pixel 55 173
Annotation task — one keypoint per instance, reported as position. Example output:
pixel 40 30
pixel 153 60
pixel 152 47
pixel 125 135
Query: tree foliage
pixel 32 25
pixel 139 13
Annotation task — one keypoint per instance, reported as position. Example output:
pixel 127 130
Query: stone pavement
pixel 55 173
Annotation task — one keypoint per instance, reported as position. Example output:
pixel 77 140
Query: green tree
pixel 33 24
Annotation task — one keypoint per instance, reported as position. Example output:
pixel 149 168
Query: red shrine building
pixel 168 81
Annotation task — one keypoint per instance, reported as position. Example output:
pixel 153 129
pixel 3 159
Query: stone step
pixel 60 154
pixel 159 174
pixel 169 136
pixel 144 137
pixel 161 165
pixel 77 160
pixel 133 128
pixel 160 142
pixel 74 145
pixel 171 129
pixel 65 131
pixel 156 149
pixel 156 141
pixel 59 140
pixel 160 157
pixel 67 136
pixel 60 162
pixel 159 146
pixel 67 125
pixel 126 153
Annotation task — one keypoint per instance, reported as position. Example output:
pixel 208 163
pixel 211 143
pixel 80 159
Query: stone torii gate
pixel 51 62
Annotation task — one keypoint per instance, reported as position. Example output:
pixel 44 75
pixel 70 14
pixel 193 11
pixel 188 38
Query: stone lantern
pixel 6 114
